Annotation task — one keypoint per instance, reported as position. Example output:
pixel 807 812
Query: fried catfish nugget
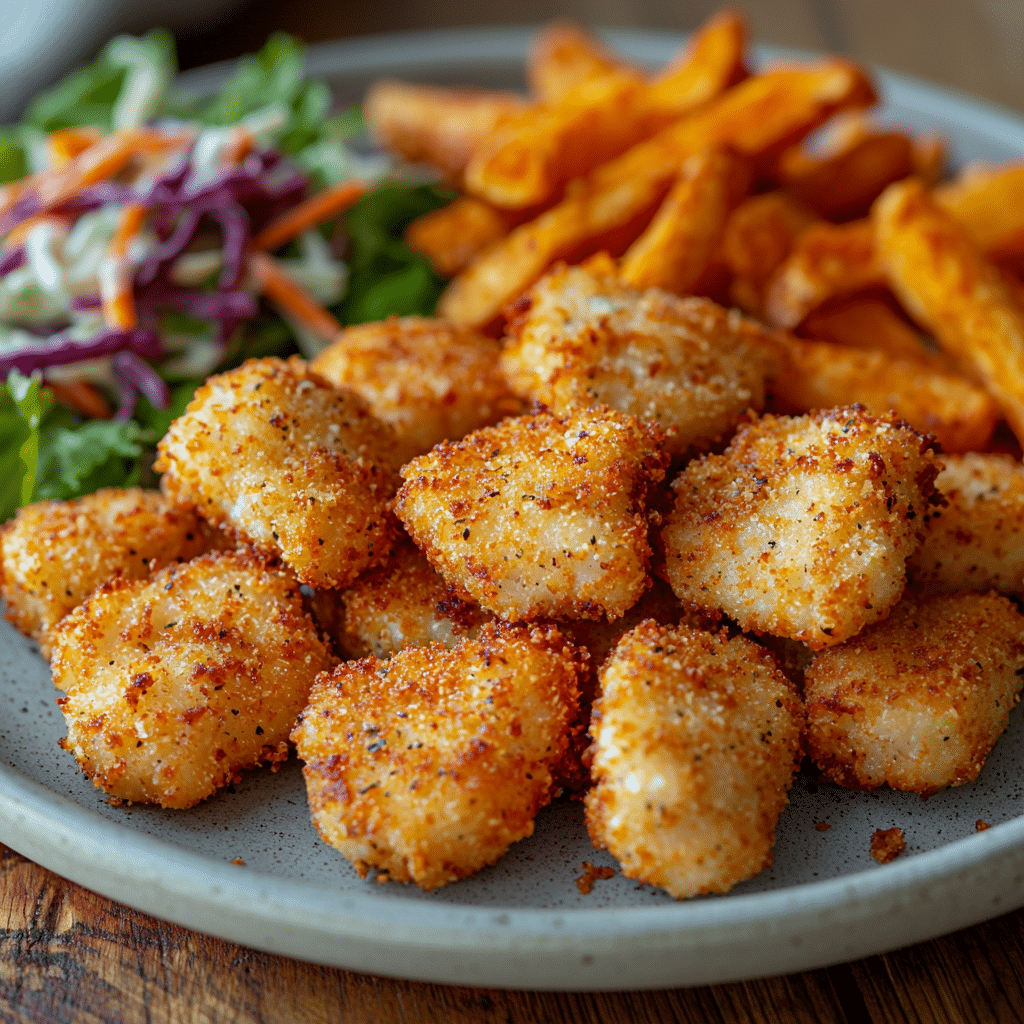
pixel 540 516
pixel 295 466
pixel 917 701
pixel 428 766
pixel 404 603
pixel 175 683
pixel 803 526
pixel 54 554
pixel 430 380
pixel 696 740
pixel 976 540
pixel 688 365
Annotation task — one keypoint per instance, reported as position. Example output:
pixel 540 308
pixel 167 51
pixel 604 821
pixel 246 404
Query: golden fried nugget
pixel 404 603
pixel 868 322
pixel 540 516
pixel 428 766
pixel 428 379
pixel 451 237
pixel 442 127
pixel 177 682
pixel 976 540
pixel 696 741
pixel 295 466
pixel 924 392
pixel 803 526
pixel 953 290
pixel 989 203
pixel 679 244
pixel 54 554
pixel 563 55
pixel 826 261
pixel 582 338
pixel 918 701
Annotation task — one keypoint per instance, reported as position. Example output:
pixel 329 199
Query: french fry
pixel 989 202
pixel 953 290
pixel 865 322
pixel 451 237
pixel 676 249
pixel 562 56
pixel 441 127
pixel 828 260
pixel 758 118
pixel 820 375
pixel 759 234
pixel 929 158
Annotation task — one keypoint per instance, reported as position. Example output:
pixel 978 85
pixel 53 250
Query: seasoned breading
pixel 298 468
pixel 975 541
pixel 580 337
pixel 54 554
pixel 177 682
pixel 404 603
pixel 696 740
pixel 803 526
pixel 432 381
pixel 918 701
pixel 427 766
pixel 539 516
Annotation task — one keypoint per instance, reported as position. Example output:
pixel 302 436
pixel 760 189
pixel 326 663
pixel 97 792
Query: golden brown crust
pixel 803 526
pixel 539 516
pixel 427 766
pixel 177 682
pixel 696 740
pixel 918 701
pixel 296 467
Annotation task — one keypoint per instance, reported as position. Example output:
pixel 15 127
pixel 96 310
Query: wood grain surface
pixel 71 957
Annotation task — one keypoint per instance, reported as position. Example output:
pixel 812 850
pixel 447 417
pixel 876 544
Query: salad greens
pixel 50 451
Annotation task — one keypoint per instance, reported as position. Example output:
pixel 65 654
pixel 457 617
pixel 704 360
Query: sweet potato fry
pixel 758 118
pixel 820 375
pixel 865 322
pixel 676 249
pixel 953 290
pixel 989 202
pixel 451 237
pixel 437 126
pixel 828 260
pixel 562 56
pixel 759 235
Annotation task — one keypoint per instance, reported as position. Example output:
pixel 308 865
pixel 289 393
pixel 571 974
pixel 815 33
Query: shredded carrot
pixel 82 396
pixel 309 213
pixel 20 232
pixel 278 285
pixel 240 146
pixel 132 217
pixel 66 143
pixel 116 296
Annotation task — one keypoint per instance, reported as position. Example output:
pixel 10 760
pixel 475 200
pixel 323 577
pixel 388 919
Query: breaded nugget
pixel 432 381
pixel 975 541
pixel 427 766
pixel 295 466
pixel 696 740
pixel 919 700
pixel 803 526
pixel 177 682
pixel 54 554
pixel 580 337
pixel 404 603
pixel 539 516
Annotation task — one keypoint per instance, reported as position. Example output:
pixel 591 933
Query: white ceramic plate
pixel 523 923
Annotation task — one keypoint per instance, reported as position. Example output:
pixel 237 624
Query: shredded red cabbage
pixel 135 377
pixel 60 350
pixel 12 259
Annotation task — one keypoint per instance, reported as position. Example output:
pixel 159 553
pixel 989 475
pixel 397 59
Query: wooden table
pixel 69 956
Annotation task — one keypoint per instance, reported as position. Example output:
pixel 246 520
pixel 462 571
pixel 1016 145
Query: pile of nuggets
pixel 648 550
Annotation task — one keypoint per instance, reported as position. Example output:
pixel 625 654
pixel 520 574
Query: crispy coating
pixel 539 516
pixel 295 466
pixel 686 364
pixel 404 603
pixel 696 740
pixel 430 380
pixel 918 701
pixel 428 766
pixel 976 540
pixel 176 683
pixel 54 554
pixel 803 526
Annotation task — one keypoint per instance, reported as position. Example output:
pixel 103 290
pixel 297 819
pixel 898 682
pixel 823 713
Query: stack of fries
pixel 886 287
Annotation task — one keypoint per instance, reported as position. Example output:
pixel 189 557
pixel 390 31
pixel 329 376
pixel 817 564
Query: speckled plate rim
pixel 801 927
